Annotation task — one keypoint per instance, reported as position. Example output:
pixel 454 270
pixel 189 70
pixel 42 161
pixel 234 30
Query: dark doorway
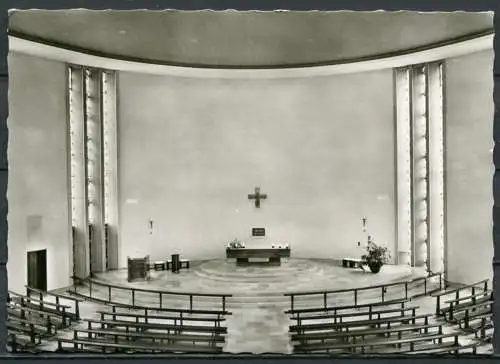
pixel 37 269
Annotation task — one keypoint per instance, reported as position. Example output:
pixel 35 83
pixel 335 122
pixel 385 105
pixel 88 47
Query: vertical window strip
pixel 441 164
pixel 72 132
pixel 403 164
pixel 106 131
pixel 436 160
pixel 420 170
pixel 92 148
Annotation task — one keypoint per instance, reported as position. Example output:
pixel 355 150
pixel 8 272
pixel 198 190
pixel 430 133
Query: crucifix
pixel 257 196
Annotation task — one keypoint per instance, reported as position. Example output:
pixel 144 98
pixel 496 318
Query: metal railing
pixel 135 292
pixel 383 288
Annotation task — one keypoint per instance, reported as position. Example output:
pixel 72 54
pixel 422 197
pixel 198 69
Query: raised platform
pixel 223 276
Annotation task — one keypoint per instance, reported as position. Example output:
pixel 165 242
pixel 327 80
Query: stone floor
pixel 258 323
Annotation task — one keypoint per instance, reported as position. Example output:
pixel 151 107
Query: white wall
pixel 190 150
pixel 38 176
pixel 469 174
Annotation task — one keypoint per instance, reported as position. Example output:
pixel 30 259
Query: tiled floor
pixel 258 323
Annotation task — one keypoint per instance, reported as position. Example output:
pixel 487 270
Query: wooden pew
pixel 83 344
pixel 17 344
pixel 27 331
pixel 369 323
pixel 144 318
pixel 481 285
pixel 409 344
pixel 451 349
pixel 363 333
pixel 335 309
pixel 339 316
pixel 34 316
pixel 473 312
pixel 210 339
pixel 465 302
pixel 35 330
pixel 479 329
pixel 55 309
pixel 142 327
pixel 58 297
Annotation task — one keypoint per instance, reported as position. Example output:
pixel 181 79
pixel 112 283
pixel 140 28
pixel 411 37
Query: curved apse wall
pixel 191 150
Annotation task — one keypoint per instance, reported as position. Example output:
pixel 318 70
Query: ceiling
pixel 244 39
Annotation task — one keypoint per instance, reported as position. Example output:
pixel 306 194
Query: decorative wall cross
pixel 257 196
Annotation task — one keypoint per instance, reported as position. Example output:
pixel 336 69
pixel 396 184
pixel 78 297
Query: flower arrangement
pixel 376 256
pixel 236 243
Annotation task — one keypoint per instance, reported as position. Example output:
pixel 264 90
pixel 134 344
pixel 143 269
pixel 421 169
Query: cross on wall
pixel 257 196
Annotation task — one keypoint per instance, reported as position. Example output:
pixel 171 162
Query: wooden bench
pixel 18 344
pixel 381 334
pixel 56 309
pixel 39 317
pixel 24 330
pixel 142 326
pixel 481 285
pixel 473 312
pixel 211 339
pixel 24 309
pixel 57 297
pixel 479 329
pixel 370 313
pixel 448 349
pixel 175 318
pixel 35 330
pixel 335 309
pixel 83 344
pixel 410 341
pixel 458 306
pixel 386 332
pixel 348 324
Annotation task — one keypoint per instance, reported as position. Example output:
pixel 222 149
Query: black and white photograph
pixel 223 182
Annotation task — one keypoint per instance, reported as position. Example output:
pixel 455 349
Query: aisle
pixel 258 328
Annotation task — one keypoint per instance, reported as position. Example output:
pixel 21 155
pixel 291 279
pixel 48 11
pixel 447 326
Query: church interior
pixel 250 182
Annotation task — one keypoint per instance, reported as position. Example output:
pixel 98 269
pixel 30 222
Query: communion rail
pixel 402 286
pixel 134 292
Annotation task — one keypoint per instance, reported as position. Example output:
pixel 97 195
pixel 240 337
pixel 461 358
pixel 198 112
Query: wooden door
pixel 37 269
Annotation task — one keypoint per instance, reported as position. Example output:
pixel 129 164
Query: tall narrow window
pixel 77 135
pixel 403 155
pixel 420 165
pixel 94 156
pixel 109 129
pixel 436 164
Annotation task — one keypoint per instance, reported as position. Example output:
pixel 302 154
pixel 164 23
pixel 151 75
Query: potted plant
pixel 376 256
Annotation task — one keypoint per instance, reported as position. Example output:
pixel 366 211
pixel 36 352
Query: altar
pixel 243 255
pixel 261 246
